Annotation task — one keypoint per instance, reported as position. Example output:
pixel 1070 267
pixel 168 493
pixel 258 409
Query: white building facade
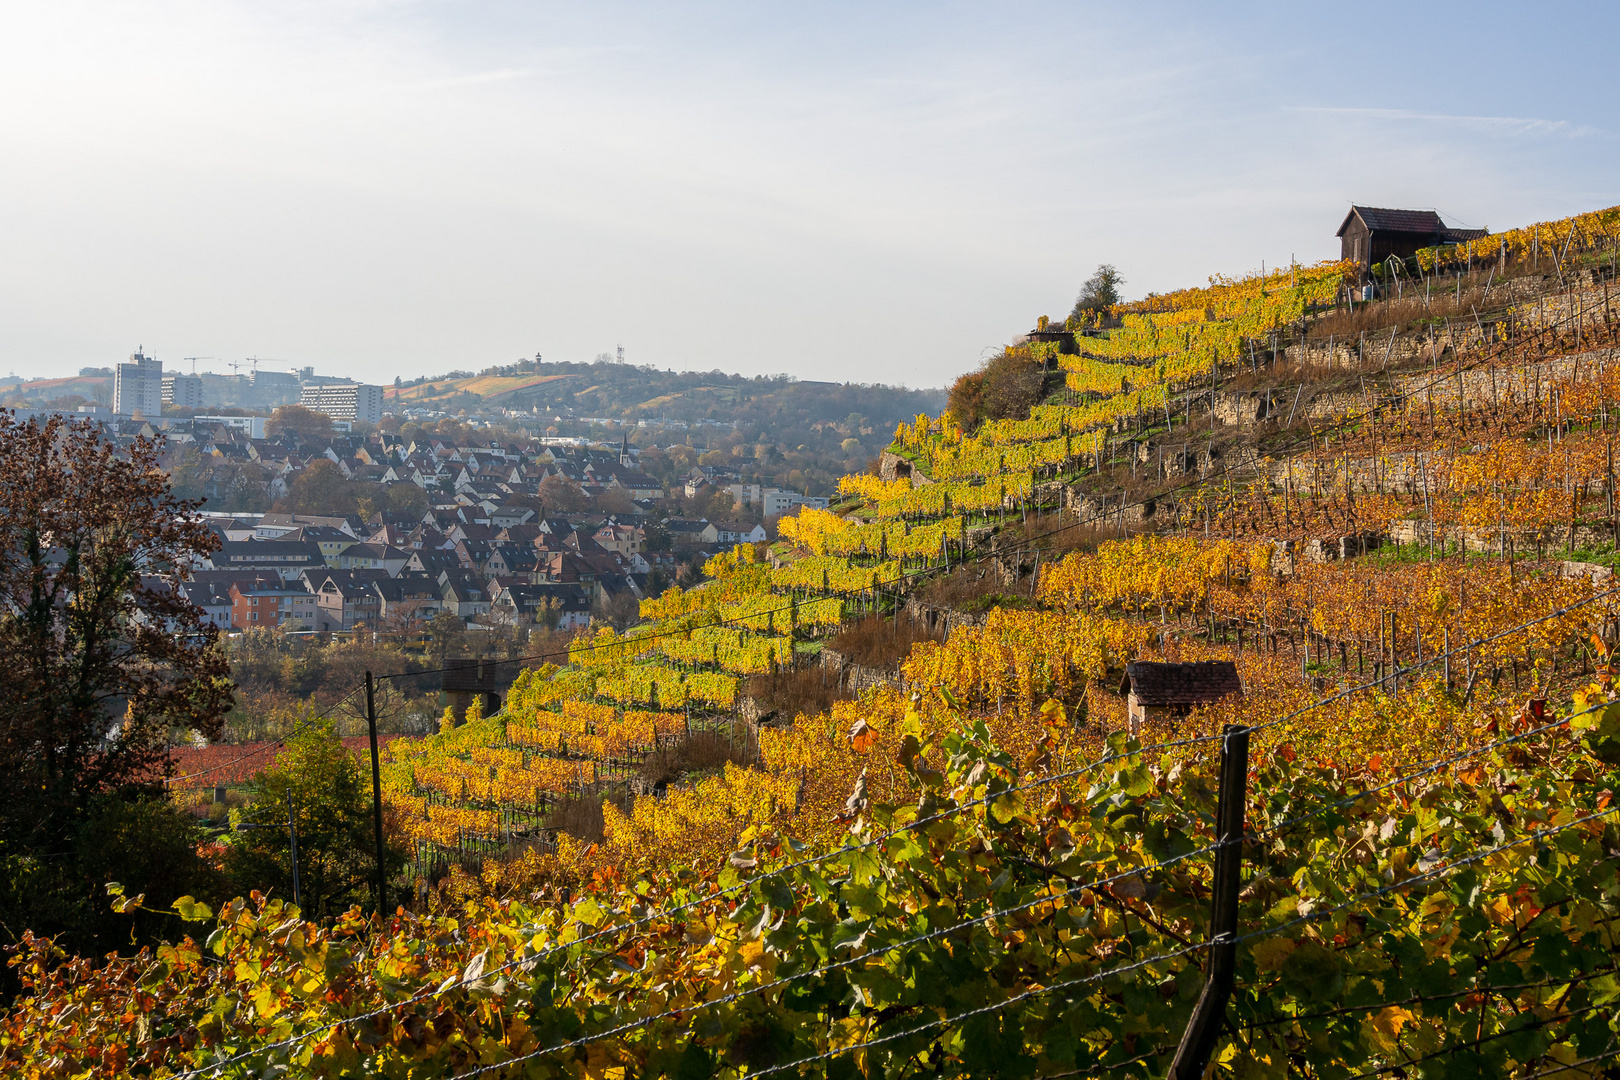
pixel 138 386
pixel 354 401
pixel 183 391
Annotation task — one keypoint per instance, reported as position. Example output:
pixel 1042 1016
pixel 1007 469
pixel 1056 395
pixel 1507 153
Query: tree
pixel 1012 385
pixel 101 656
pixel 306 423
pixel 621 610
pixel 966 401
pixel 1004 388
pixel 407 499
pixel 320 780
pixel 1100 291
pixel 320 489
pixel 561 495
pixel 615 500
pixel 448 633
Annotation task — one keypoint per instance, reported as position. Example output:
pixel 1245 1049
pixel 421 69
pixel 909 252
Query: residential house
pixel 433 561
pixel 730 533
pixel 289 558
pixel 407 600
pixel 511 560
pixel 565 606
pixel 503 517
pixel 368 556
pixel 270 603
pixel 684 532
pixel 620 539
pixel 345 598
pixel 464 593
pixel 332 542
pixel 213 598
pixel 274 525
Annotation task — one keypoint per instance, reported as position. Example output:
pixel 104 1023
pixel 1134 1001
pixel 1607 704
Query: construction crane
pixel 194 360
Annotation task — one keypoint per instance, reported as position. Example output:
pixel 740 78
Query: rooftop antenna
pixel 621 353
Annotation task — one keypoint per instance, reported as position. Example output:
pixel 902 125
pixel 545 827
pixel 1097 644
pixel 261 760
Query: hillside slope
pixel 880 801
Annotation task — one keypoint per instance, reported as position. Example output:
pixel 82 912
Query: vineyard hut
pixel 1371 234
pixel 462 680
pixel 1153 691
pixel 1046 330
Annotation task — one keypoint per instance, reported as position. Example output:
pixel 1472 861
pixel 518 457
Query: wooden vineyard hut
pixel 1371 234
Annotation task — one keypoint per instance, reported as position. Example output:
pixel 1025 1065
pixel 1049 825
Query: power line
pixel 261 748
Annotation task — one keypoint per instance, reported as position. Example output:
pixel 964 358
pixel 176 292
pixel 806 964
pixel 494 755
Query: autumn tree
pixel 321 488
pixel 1099 292
pixel 102 657
pixel 318 782
pixel 1005 387
pixel 615 500
pixel 303 422
pixel 561 495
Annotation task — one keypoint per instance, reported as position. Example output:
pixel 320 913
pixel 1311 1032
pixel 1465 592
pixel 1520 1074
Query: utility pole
pixel 1209 1015
pixel 376 796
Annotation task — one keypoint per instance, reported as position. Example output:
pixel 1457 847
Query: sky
pixel 871 192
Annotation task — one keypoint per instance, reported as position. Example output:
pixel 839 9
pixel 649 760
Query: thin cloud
pixel 1517 125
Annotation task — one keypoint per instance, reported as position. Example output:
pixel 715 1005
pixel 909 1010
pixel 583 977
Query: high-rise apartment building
pixel 354 401
pixel 183 391
pixel 138 386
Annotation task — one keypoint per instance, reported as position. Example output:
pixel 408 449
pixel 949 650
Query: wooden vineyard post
pixel 376 796
pixel 1209 1015
pixel 1445 647
pixel 292 839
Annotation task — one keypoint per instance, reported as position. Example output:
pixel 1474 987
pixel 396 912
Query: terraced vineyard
pixel 971 859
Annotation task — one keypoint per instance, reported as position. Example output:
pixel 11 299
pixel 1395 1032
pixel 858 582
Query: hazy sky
pixel 866 191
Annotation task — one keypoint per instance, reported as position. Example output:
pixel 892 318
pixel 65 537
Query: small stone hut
pixel 1154 691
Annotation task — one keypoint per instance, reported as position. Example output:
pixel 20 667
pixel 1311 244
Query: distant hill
pixel 622 391
pixel 773 430
pixel 34 393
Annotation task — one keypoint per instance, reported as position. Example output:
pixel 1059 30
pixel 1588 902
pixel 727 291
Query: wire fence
pixel 1449 866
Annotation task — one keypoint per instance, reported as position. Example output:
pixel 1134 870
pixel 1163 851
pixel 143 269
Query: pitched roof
pixel 1181 684
pixel 1384 219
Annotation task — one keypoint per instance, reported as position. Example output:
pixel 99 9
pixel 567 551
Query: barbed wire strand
pixel 1072 983
pixel 890 946
pixel 837 853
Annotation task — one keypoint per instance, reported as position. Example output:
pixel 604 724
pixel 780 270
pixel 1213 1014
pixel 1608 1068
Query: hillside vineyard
pixel 873 800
